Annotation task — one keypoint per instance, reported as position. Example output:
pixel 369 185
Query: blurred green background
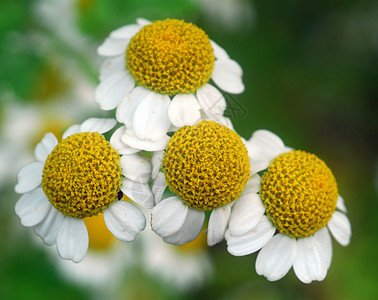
pixel 310 71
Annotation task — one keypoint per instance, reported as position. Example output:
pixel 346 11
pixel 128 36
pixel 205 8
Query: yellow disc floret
pixel 82 175
pixel 299 192
pixel 170 57
pixel 206 165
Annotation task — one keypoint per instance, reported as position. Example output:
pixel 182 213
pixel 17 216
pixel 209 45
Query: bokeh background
pixel 311 76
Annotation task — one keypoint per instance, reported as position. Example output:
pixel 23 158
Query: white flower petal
pixel 323 238
pixel 44 148
pixel 124 220
pixel 119 145
pixel 340 204
pixel 110 92
pixel 71 131
pixel 111 66
pixel 29 177
pixel 136 168
pixel 32 207
pixel 211 100
pixel 72 240
pixel 125 32
pixel 125 110
pixel 156 161
pixel 217 224
pixel 276 257
pixel 340 228
pixel 184 110
pixel 168 216
pixel 139 193
pixel 190 230
pixel 219 52
pixel 227 75
pixel 112 47
pixel 262 147
pixel 99 125
pixel 143 22
pixel 131 140
pixel 253 185
pixel 48 229
pixel 252 240
pixel 158 186
pixel 246 213
pixel 150 121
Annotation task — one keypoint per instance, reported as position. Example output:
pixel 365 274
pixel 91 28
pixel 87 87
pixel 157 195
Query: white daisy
pixel 158 74
pixel 205 168
pixel 298 209
pixel 80 177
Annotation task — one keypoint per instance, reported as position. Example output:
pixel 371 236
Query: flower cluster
pixel 180 163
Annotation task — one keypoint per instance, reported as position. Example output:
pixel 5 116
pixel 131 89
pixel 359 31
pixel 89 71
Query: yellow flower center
pixel 170 57
pixel 299 192
pixel 82 175
pixel 206 165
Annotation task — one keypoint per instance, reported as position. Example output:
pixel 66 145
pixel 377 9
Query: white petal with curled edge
pixel 227 75
pixel 190 230
pixel 71 131
pixel 158 186
pixel 156 161
pixel 44 148
pixel 110 92
pixel 48 229
pixel 124 220
pixel 252 240
pixel 262 147
pixel 168 216
pixel 32 207
pixel 29 177
pixel 323 238
pixel 72 240
pixel 131 140
pixel 184 110
pixel 340 204
pixel 253 185
pixel 136 168
pixel 99 125
pixel 308 265
pixel 246 213
pixel 125 32
pixel 211 100
pixel 219 52
pixel 125 110
pixel 113 47
pixel 276 258
pixel 111 66
pixel 150 121
pixel 340 228
pixel 139 193
pixel 217 224
pixel 119 145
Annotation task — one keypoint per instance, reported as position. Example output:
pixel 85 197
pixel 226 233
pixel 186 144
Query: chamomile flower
pixel 205 168
pixel 76 178
pixel 298 209
pixel 158 75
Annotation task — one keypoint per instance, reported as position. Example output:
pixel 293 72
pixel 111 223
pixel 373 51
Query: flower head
pixel 80 177
pixel 298 205
pixel 158 75
pixel 205 168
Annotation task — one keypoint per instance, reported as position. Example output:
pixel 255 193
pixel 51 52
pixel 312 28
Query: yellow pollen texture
pixel 206 165
pixel 170 57
pixel 299 193
pixel 82 175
